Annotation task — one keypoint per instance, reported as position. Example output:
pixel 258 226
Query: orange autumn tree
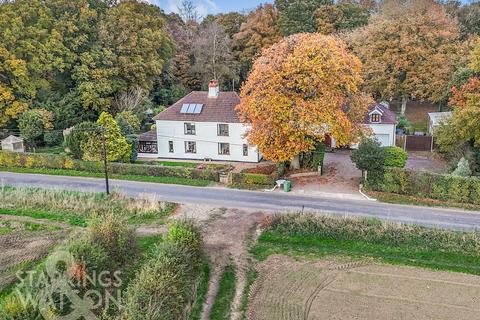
pixel 300 89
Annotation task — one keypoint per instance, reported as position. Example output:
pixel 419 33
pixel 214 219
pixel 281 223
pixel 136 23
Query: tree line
pixel 67 61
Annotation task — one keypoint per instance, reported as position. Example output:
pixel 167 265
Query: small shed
pixel 436 118
pixel 13 144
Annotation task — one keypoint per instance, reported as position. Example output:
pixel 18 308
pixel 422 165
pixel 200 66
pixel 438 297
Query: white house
pixel 436 118
pixel 200 126
pixel 382 123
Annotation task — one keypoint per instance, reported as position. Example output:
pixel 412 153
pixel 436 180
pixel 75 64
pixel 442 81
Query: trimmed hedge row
pixel 50 161
pixel 252 179
pixel 429 185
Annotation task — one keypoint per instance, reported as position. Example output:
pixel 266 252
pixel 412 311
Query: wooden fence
pixel 415 143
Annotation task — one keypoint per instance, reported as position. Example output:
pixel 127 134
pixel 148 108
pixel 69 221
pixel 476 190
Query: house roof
pixel 220 109
pixel 12 139
pixel 148 136
pixel 388 116
pixel 437 117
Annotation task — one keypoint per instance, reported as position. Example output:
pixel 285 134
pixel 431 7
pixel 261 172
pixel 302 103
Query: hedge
pixel 252 179
pixel 429 185
pixel 50 161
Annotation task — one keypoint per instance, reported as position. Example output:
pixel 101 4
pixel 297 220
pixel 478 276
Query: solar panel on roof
pixel 198 108
pixel 192 108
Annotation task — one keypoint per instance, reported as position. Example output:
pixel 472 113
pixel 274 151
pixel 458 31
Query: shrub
pixel 252 179
pixel 92 255
pixel 186 233
pixel 53 138
pixel 14 308
pixel 395 157
pixel 369 157
pixel 79 135
pixel 113 234
pixel 116 145
pixel 51 161
pixel 164 286
pixel 429 185
pixel 132 140
pixel 463 169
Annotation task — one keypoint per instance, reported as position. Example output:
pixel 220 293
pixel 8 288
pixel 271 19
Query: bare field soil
pixel 20 247
pixel 334 288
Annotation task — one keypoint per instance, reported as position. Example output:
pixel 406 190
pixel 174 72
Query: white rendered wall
pixel 206 139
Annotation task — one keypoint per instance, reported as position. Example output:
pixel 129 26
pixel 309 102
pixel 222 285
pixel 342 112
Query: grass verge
pixel 317 236
pixel 201 294
pixel 76 207
pixel 75 173
pixel 222 306
pixel 410 200
pixel 57 217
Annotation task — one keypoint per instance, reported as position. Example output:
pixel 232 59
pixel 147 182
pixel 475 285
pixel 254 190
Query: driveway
pixel 340 178
pixel 267 202
pixel 426 161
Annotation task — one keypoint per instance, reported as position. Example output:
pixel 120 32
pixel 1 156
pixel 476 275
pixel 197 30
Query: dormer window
pixel 375 118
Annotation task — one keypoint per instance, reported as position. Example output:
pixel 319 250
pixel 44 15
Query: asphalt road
pixel 276 202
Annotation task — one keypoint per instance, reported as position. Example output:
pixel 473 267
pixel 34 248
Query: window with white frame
pixel 222 130
pixel 190 128
pixel 190 147
pixel 375 117
pixel 245 150
pixel 224 148
pixel 170 146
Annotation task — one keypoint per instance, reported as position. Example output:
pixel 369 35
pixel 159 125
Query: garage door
pixel 384 139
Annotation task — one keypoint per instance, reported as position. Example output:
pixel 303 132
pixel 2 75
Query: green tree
pixel 134 32
pixel 33 124
pixel 129 118
pixel 340 17
pixel 298 15
pixel 117 147
pixel 369 157
pixel 78 136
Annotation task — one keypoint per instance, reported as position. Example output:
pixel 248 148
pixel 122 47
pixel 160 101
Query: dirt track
pixel 336 289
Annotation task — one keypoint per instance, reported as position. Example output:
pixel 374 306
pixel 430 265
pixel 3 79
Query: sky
pixel 205 7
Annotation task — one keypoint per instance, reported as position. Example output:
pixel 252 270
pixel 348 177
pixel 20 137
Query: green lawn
pixel 410 200
pixel 64 172
pixel 320 235
pixel 226 291
pixel 71 219
pixel 52 150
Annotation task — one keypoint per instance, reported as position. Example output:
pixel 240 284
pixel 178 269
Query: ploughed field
pixel 343 288
pixel 24 243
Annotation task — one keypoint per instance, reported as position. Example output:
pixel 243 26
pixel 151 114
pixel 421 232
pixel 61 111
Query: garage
pixel 384 139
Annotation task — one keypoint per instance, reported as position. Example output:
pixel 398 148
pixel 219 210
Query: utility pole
pixel 105 160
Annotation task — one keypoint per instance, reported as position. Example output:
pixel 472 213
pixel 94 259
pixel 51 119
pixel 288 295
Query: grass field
pixel 318 236
pixel 410 200
pixel 74 173
pixel 320 267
